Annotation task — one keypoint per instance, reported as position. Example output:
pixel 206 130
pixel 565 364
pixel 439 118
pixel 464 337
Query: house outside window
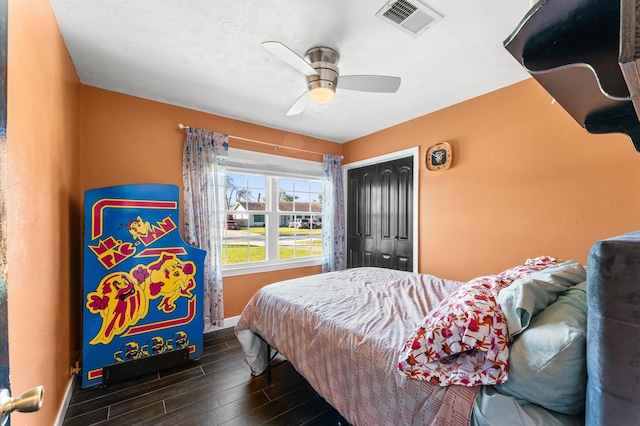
pixel 274 213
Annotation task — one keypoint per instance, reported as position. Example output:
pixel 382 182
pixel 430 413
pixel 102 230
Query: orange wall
pixel 43 207
pixel 131 140
pixel 526 180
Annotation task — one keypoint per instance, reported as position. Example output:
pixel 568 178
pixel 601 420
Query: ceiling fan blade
pixel 369 83
pixel 290 57
pixel 299 105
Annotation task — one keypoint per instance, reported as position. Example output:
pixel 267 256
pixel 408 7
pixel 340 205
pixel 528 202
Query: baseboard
pixel 228 323
pixel 65 402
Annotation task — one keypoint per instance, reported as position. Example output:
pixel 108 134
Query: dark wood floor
pixel 216 389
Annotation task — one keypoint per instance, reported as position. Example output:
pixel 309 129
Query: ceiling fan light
pixel 321 95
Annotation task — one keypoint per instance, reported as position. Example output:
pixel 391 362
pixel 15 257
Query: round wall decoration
pixel 439 156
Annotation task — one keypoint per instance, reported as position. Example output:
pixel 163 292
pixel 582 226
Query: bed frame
pixel 613 332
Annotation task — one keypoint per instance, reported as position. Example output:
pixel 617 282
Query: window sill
pixel 256 268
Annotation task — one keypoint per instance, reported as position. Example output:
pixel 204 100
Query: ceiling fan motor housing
pixel 325 61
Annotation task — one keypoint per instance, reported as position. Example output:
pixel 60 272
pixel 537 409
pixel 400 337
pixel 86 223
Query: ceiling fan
pixel 320 66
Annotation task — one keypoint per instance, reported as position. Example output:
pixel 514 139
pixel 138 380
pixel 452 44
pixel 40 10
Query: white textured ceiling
pixel 206 55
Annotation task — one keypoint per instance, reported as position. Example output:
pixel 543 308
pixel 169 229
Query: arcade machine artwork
pixel 142 284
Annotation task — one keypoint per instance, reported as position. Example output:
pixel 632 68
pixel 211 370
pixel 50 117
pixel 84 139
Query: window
pixel 275 204
pixel 245 203
pixel 300 210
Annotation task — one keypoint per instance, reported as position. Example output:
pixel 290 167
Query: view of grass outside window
pixel 300 208
pixel 271 218
pixel 246 200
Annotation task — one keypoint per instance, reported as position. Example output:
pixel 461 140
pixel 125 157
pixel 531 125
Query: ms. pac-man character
pixel 170 279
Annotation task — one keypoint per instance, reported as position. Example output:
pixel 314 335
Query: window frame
pixel 272 167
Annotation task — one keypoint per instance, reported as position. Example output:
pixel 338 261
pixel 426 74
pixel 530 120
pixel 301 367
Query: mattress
pixel 343 331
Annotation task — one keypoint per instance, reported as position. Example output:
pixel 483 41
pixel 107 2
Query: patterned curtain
pixel 204 164
pixel 333 235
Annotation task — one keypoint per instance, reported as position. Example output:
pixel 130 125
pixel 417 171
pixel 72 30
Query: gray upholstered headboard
pixel 613 332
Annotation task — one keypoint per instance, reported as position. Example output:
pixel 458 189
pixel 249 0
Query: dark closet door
pixel 353 219
pixel 362 220
pixel 396 214
pixel 380 209
pixel 368 219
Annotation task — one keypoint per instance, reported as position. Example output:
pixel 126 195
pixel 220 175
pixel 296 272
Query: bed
pixel 387 347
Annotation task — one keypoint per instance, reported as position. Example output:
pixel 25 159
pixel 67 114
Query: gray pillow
pixel 527 296
pixel 547 362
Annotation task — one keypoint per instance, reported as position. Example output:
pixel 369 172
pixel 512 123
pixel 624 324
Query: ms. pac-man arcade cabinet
pixel 142 284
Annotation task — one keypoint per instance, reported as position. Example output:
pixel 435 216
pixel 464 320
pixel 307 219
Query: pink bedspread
pixel 343 331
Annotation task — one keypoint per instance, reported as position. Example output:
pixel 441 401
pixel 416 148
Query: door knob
pixel 29 401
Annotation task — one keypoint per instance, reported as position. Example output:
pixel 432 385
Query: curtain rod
pixel 276 146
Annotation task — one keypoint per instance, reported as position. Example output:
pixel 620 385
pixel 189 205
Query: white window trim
pixel 256 268
pixel 243 161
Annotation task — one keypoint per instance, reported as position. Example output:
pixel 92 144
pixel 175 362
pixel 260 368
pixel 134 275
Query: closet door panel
pixel 369 218
pixel 387 261
pixel 386 204
pixel 354 226
pixel 405 208
pixel 366 207
pixel 404 220
pixel 405 264
pixel 387 213
pixel 368 259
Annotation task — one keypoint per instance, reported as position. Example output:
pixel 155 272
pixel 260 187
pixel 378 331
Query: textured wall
pixel 526 180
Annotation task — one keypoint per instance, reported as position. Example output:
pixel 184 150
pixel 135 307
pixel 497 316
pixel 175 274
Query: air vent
pixel 410 17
